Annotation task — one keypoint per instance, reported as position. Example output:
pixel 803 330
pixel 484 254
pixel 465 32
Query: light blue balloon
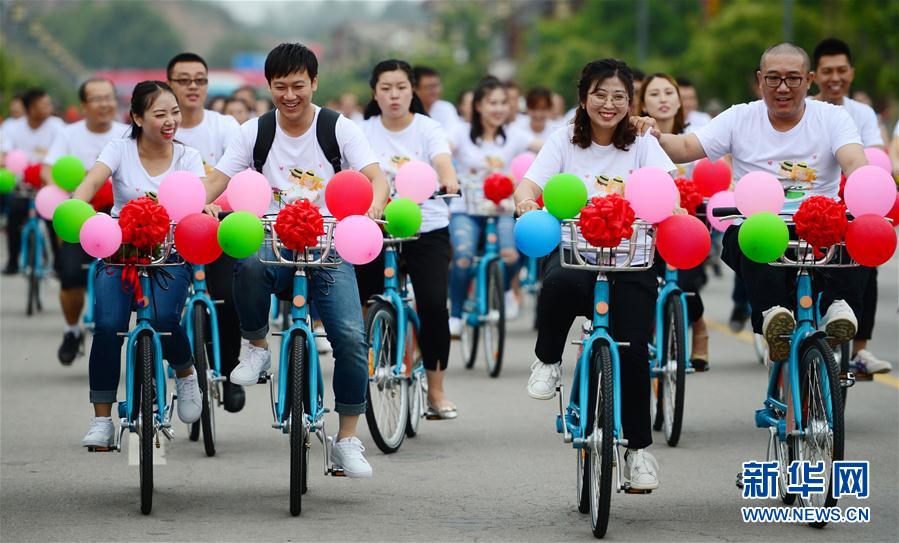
pixel 537 233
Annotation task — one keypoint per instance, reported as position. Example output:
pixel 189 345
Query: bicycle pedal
pixel 336 472
pixel 847 380
pixel 100 449
pixel 638 491
pixel 264 378
pixel 859 376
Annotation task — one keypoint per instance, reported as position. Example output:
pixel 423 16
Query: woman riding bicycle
pixel 137 166
pixel 399 131
pixel 599 145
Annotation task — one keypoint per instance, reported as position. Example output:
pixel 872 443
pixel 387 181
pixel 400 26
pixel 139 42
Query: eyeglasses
pixel 792 81
pixel 101 99
pixel 185 82
pixel 617 100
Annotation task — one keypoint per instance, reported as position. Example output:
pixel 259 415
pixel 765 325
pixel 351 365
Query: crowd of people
pixel 623 120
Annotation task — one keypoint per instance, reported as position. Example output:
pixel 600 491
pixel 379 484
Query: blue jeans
pixel 466 232
pixel 112 314
pixel 335 296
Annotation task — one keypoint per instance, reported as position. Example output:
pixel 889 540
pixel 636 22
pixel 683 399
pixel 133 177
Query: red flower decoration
pixel 299 225
pixel 821 221
pixel 498 187
pixel 607 220
pixel 104 200
pixel 690 197
pixel 32 175
pixel 144 223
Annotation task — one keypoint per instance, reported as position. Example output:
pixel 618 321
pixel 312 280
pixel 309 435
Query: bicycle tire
pixel 601 454
pixel 494 346
pixel 31 263
pixel 201 367
pixel 785 449
pixel 469 341
pixel 416 385
pixel 147 395
pixel 387 418
pixel 299 454
pixel 674 349
pixel 845 366
pixel 583 454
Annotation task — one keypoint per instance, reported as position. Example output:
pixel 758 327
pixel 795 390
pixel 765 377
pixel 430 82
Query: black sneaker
pixel 71 346
pixel 235 397
pixel 11 269
pixel 738 318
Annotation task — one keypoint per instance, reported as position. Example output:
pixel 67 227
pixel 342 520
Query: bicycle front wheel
pixel 387 409
pixel 673 378
pixel 32 271
pixel 416 382
pixel 299 438
pixel 602 440
pixel 201 367
pixel 146 391
pixel 495 326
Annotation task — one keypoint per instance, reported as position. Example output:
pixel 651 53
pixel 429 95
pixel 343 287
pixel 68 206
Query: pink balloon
pixel 652 193
pixel 869 190
pixel 725 198
pixel 416 180
pixel 759 192
pixel 878 157
pixel 358 239
pixel 520 165
pixel 47 199
pixel 101 236
pixel 222 202
pixel 16 162
pixel 181 194
pixel 250 191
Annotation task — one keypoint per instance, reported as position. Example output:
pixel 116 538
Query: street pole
pixel 642 32
pixel 788 20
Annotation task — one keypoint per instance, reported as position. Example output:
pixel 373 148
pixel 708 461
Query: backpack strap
pixel 326 134
pixel 265 137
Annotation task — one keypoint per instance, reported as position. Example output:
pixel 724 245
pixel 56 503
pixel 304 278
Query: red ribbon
pixel 145 225
pixel 498 187
pixel 690 197
pixel 299 225
pixel 821 221
pixel 607 220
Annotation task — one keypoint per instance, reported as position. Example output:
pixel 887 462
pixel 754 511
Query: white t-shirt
pixel 75 139
pixel 297 167
pixel 695 119
pixel 803 158
pixel 476 161
pixel 523 124
pixel 35 143
pixel 865 121
pixel 129 178
pixel 445 113
pixel 422 140
pixel 211 137
pixel 604 169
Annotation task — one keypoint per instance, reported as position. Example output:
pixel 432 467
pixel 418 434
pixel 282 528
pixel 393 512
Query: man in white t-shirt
pixel 83 139
pixel 32 134
pixel 210 133
pixel 690 102
pixel 806 144
pixel 297 168
pixel 832 62
pixel 428 87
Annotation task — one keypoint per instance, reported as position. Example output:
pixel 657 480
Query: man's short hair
pixel 786 49
pixel 184 57
pixel 82 90
pixel 684 82
pixel 424 71
pixel 31 96
pixel 831 47
pixel 289 58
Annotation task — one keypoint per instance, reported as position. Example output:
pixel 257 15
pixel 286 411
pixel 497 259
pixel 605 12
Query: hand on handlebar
pixel 526 206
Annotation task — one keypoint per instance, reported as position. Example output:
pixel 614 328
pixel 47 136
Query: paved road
pixel 499 472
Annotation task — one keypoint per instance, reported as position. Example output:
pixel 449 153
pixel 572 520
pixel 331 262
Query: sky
pixel 254 12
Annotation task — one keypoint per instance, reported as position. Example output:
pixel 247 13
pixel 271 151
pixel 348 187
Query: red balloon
pixel 870 240
pixel 348 193
pixel 894 213
pixel 683 241
pixel 711 177
pixel 196 238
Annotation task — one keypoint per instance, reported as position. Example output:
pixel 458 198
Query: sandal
pixel 700 360
pixel 447 412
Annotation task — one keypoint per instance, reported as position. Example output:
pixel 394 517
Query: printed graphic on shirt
pixel 306 185
pixel 797 178
pixel 494 163
pixel 610 186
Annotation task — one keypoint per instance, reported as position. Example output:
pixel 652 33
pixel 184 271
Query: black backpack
pixel 325 133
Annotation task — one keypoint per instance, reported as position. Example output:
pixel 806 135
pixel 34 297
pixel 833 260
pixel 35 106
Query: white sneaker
pixel 190 401
pixel 778 324
pixel 544 380
pixel 839 323
pixel 641 469
pixel 254 363
pixel 864 361
pixel 455 327
pixel 513 306
pixel 321 342
pixel 346 454
pixel 101 434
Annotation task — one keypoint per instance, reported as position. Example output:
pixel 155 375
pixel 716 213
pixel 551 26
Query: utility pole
pixel 788 20
pixel 642 32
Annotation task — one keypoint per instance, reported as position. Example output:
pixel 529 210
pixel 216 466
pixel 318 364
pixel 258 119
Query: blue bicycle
pixel 88 318
pixel 200 322
pixel 485 306
pixel 298 407
pixel 34 256
pixel 592 420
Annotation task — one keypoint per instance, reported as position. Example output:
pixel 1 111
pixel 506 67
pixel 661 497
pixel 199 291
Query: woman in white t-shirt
pixel 400 131
pixel 602 149
pixel 138 165
pixel 538 123
pixel 659 98
pixel 484 147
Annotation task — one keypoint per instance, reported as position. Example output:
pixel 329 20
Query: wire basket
pixel 477 205
pixel 321 255
pixel 801 254
pixel 162 256
pixel 635 255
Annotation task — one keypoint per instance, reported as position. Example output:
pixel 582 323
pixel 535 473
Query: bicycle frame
pixel 491 254
pixel 88 318
pixel 33 224
pixel 670 287
pixel 200 295
pixel 396 295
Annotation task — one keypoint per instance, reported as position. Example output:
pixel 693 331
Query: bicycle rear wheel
pixel 602 440
pixel 416 382
pixel 31 275
pixel 299 438
pixel 673 379
pixel 201 367
pixel 495 327
pixel 387 409
pixel 469 339
pixel 146 391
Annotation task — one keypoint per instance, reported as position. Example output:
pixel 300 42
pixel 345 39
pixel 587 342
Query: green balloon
pixel 69 217
pixel 241 234
pixel 564 195
pixel 7 181
pixel 403 218
pixel 68 172
pixel 763 237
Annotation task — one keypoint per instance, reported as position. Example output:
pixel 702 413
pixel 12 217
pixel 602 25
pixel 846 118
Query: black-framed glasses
pixel 792 81
pixel 186 81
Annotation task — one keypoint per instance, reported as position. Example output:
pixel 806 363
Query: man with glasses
pixel 429 88
pixel 210 133
pixel 83 139
pixel 805 144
